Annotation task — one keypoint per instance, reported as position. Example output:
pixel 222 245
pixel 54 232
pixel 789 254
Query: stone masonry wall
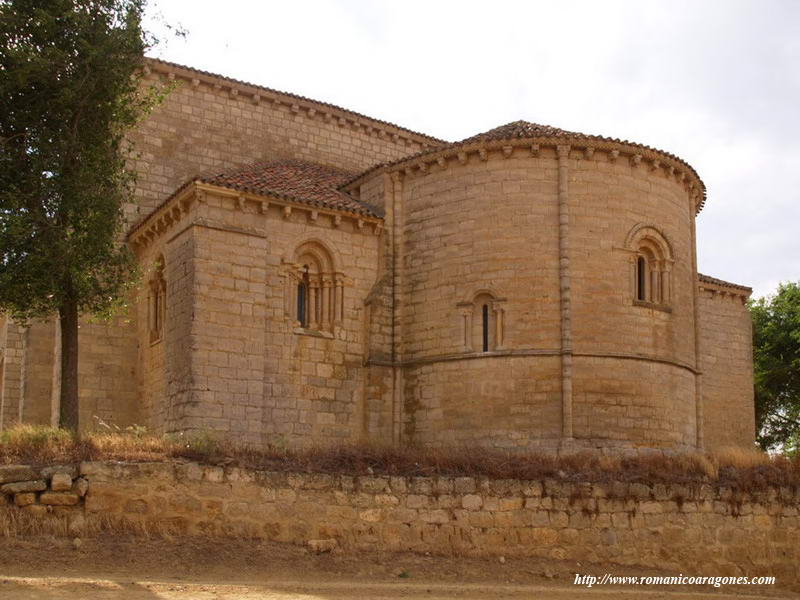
pixel 12 372
pixel 209 124
pixel 726 363
pixel 482 229
pixel 233 358
pixel 696 529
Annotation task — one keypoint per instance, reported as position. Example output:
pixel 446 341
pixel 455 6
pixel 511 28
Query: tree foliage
pixel 776 349
pixel 70 83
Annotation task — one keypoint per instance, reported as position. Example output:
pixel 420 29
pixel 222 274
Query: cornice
pixel 179 203
pixel 312 109
pixel 579 147
pixel 721 288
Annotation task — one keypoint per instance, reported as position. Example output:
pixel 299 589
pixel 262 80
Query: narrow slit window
pixel 485 327
pixel 641 279
pixel 301 303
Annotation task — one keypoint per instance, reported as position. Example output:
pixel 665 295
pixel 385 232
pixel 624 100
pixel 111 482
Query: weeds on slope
pixel 743 469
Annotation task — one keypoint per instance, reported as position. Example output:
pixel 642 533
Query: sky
pixel 716 82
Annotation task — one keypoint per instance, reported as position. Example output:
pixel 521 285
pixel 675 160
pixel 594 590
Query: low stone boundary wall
pixel 695 529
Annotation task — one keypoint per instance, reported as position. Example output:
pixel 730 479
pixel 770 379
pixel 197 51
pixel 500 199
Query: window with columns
pixel 157 301
pixel 651 266
pixel 482 322
pixel 315 289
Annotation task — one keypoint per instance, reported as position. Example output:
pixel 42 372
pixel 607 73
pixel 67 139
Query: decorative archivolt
pixel 482 320
pixel 315 289
pixel 650 265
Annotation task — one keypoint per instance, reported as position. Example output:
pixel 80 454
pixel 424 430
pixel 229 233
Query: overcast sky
pixel 715 82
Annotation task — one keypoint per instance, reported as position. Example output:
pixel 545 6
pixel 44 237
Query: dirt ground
pixel 198 569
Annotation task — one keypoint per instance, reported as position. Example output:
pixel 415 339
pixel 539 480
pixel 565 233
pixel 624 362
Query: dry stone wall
pixel 695 529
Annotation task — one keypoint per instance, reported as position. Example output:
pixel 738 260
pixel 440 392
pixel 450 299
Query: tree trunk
pixel 68 314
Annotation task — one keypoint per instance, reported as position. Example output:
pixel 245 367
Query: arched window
pixel 651 266
pixel 316 288
pixel 157 301
pixel 482 322
pixel 302 301
pixel 485 327
pixel 641 278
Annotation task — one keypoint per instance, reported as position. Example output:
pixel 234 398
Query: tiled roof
pixel 296 181
pixel 518 129
pixel 522 130
pixel 292 180
pixel 422 136
pixel 708 279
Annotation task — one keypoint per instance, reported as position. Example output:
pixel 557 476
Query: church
pixel 312 276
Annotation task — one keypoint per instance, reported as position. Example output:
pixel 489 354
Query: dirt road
pixel 135 569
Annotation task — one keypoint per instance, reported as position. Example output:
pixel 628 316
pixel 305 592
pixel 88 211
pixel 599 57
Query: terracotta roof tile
pixel 429 139
pixel 518 129
pixel 292 180
pixel 297 181
pixel 522 130
pixel 720 282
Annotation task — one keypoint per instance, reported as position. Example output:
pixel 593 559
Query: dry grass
pixel 740 469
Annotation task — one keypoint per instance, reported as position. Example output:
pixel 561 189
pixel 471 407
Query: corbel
pixel 233 93
pixel 217 87
pixel 327 117
pixel 287 212
pixel 408 171
pixel 360 224
pixel 201 196
pixel 381 134
pixel 588 152
pixel 170 76
pixel 508 151
pixel 311 112
pixel 295 108
pixel 656 164
pixel 395 138
pixel 355 125
pixel 176 211
pixel 377 229
pixel 337 220
pixel 342 122
pixel 636 159
pixel 146 70
pixel 423 168
pixel 613 156
pixel 442 162
pixel 313 215
pixel 195 82
pixel 256 98
pixel 670 171
pixel 263 207
pixel 483 154
pixel 462 158
pixel 240 202
pixel 535 150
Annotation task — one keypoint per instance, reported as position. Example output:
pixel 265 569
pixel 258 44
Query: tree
pixel 70 83
pixel 776 349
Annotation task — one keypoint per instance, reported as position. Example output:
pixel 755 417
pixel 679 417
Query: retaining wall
pixel 695 529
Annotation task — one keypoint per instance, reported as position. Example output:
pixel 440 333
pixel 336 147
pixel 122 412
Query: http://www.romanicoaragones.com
pixel 609 579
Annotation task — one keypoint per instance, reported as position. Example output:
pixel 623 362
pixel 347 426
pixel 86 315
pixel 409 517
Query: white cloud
pixel 716 83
